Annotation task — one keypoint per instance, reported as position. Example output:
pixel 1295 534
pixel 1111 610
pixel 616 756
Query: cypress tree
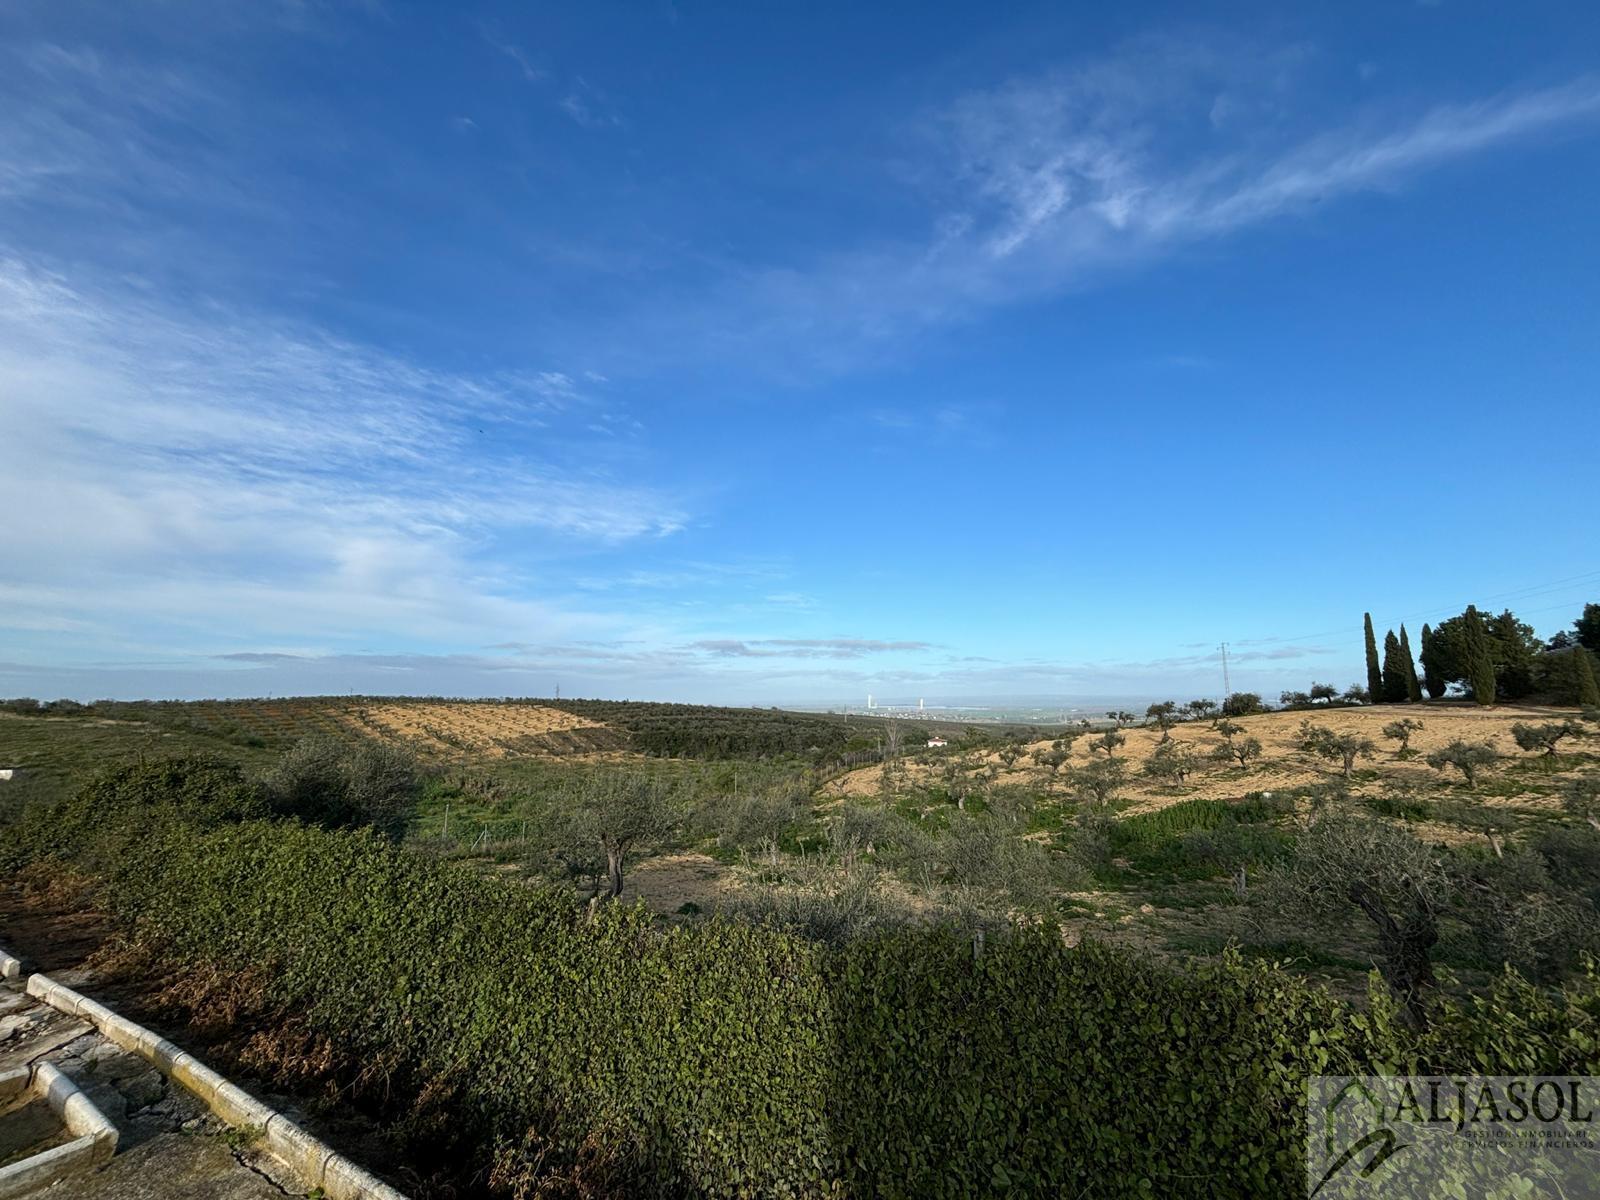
pixel 1430 666
pixel 1394 670
pixel 1480 663
pixel 1413 688
pixel 1583 672
pixel 1374 672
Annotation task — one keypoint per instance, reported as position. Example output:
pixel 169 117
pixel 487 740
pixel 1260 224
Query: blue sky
pixel 780 353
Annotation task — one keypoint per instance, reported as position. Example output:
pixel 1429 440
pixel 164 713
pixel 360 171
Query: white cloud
pixel 1050 184
pixel 211 472
pixel 835 647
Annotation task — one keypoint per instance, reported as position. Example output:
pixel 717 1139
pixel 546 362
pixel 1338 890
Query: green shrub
pixel 1400 806
pixel 1150 828
pixel 342 786
pixel 124 802
pixel 732 1060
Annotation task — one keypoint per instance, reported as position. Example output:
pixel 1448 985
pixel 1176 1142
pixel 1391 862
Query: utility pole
pixel 1227 687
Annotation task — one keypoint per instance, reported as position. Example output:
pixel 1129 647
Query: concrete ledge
pixel 337 1176
pixel 42 987
pixel 341 1177
pixel 238 1107
pixel 41 1170
pixel 10 968
pixel 299 1149
pixel 78 1114
pixel 94 1138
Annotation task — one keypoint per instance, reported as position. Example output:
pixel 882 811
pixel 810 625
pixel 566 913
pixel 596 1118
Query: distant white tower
pixel 919 704
pixel 869 699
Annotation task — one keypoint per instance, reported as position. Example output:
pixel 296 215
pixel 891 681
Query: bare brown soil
pixel 668 882
pixel 490 730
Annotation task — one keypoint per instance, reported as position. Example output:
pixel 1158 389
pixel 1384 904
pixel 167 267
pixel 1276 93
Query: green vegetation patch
pixel 729 1059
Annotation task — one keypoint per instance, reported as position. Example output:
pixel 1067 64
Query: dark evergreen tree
pixel 1374 671
pixel 1587 689
pixel 1432 677
pixel 1479 659
pixel 1587 628
pixel 1394 671
pixel 1515 649
pixel 1413 688
pixel 1511 646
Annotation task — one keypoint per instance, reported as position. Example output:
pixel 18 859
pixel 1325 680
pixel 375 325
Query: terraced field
pixel 486 729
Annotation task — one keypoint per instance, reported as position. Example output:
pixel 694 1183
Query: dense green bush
pixel 728 1059
pixel 92 824
pixel 342 785
pixel 736 1060
pixel 1243 704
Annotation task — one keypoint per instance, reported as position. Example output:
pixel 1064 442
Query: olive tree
pixel 567 846
pixel 859 831
pixel 1052 760
pixel 1108 741
pixel 1100 781
pixel 1165 716
pixel 631 810
pixel 340 785
pixel 1406 888
pixel 1243 749
pixel 1388 874
pixel 1243 704
pixel 984 862
pixel 1546 735
pixel 759 819
pixel 1172 762
pixel 1467 757
pixel 1582 799
pixel 1343 748
pixel 1401 731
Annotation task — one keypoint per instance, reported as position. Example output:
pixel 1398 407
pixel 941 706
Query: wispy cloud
pixel 1178 662
pixel 579 99
pixel 1049 184
pixel 842 647
pixel 212 469
pixel 525 65
pixel 583 105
